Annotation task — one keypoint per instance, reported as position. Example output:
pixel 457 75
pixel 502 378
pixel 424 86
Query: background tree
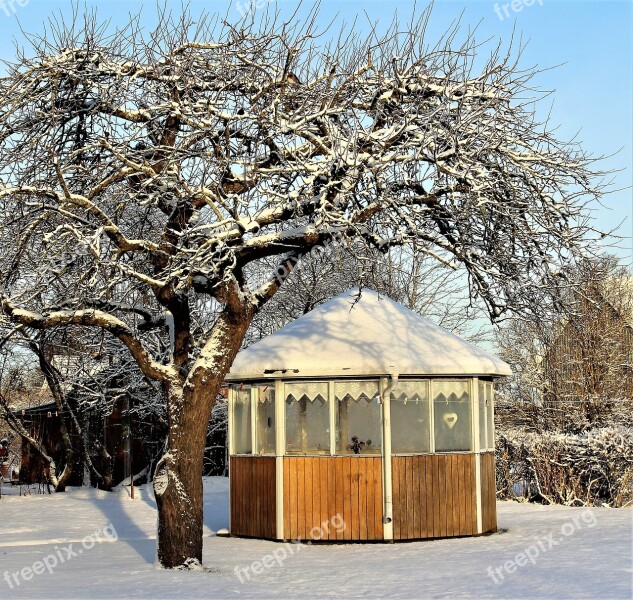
pixel 420 283
pixel 145 175
pixel 21 386
pixel 30 375
pixel 565 425
pixel 573 369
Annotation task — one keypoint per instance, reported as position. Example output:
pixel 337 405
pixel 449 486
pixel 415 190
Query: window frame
pixel 280 413
pixel 284 385
pixel 472 390
pixel 490 416
pixel 232 397
pixel 429 385
pixel 255 405
pixel 334 406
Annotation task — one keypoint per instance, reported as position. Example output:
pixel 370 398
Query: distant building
pixel 137 436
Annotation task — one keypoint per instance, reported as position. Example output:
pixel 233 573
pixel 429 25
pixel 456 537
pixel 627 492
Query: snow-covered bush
pixel 588 469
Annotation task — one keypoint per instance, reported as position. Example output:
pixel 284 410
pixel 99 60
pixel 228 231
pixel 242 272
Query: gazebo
pixel 363 413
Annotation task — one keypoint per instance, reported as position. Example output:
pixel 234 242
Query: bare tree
pixel 14 390
pixel 573 369
pixel 18 390
pixel 420 283
pixel 143 175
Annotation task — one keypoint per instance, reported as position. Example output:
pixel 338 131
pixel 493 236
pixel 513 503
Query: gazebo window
pixel 427 415
pixel 265 438
pixel 410 418
pixel 242 442
pixel 307 418
pixel 358 417
pixel 452 416
pixel 490 415
pixel 483 421
pixel 486 416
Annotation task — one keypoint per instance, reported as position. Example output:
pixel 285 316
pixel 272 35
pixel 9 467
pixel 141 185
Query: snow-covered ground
pixel 544 552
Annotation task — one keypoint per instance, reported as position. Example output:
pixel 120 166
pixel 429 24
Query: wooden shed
pixel 362 420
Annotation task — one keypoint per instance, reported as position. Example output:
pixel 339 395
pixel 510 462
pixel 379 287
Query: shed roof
pixel 370 334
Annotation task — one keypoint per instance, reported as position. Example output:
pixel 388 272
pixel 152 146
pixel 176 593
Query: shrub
pixel 588 469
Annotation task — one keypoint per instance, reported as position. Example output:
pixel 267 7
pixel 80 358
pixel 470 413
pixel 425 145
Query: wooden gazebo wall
pixel 434 496
pixel 318 489
pixel 253 496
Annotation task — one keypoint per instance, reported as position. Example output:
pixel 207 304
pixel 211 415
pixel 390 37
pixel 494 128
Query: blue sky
pixel 591 40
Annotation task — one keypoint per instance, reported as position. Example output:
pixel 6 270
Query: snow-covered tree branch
pixel 144 177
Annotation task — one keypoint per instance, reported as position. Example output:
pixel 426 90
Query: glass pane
pixel 358 417
pixel 242 443
pixel 483 401
pixel 307 418
pixel 410 417
pixel 266 419
pixel 451 405
pixel 491 415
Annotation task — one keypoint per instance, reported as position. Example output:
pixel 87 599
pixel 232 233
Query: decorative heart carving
pixel 450 419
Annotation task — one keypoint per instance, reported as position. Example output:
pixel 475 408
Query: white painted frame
pixel 230 424
pixel 432 416
pixel 491 434
pixel 476 447
pixel 332 400
pixel 387 482
pixel 280 448
pixel 230 399
pixel 254 400
pixel 486 438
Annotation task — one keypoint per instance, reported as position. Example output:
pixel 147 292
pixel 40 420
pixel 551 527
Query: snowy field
pixel 544 552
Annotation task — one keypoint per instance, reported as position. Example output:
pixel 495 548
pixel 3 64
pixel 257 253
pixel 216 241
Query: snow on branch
pixel 137 172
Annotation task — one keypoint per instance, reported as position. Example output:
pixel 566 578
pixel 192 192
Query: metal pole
pixel 131 472
pixel 386 455
pixel 128 445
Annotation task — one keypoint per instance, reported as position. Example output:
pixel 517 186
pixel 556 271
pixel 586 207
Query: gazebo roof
pixel 360 336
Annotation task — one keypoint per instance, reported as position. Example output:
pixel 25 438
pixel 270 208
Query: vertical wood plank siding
pixel 316 489
pixel 488 492
pixel 435 496
pixel 253 496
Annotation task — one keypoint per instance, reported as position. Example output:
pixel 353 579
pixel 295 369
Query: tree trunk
pixel 106 478
pixel 178 478
pixel 54 386
pixel 17 427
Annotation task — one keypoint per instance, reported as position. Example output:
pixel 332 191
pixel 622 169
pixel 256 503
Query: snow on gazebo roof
pixel 359 336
